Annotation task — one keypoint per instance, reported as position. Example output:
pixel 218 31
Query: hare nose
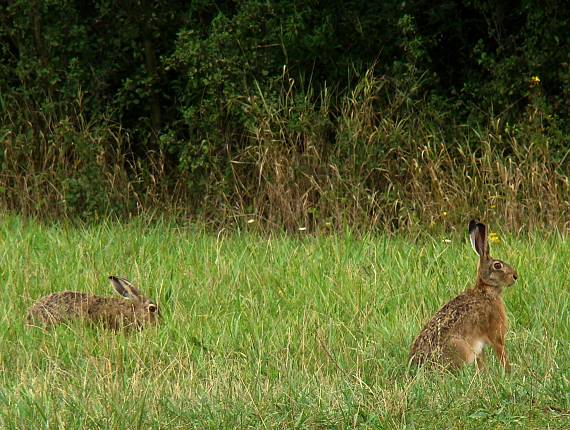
pixel 514 276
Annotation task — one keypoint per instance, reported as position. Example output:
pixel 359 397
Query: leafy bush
pixel 304 115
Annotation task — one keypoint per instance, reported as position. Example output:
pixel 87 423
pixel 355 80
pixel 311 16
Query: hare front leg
pixel 480 360
pixel 499 348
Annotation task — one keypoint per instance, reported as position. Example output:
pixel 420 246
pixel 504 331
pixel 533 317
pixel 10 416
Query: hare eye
pixel 497 265
pixel 152 308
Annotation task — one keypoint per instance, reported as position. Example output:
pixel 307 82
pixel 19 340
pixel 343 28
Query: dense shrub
pixel 313 114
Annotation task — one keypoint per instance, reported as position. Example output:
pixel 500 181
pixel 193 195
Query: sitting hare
pixel 458 332
pixel 131 311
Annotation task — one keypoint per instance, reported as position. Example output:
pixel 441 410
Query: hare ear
pixel 478 237
pixel 124 288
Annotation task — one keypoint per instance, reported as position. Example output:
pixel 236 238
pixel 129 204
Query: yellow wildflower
pixel 494 238
pixel 535 80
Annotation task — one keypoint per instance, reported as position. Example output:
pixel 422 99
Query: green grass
pixel 278 332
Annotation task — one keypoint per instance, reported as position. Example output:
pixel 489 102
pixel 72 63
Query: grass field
pixel 274 332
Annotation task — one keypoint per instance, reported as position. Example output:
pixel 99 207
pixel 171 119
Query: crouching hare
pixel 132 311
pixel 459 331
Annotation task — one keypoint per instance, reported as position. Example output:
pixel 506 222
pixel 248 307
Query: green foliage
pixel 191 89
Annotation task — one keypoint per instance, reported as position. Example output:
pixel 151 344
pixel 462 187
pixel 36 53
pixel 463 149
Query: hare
pixel 458 332
pixel 131 311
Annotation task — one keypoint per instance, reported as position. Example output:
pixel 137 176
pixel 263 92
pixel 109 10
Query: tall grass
pixel 388 160
pixel 273 331
pixel 378 156
pixel 64 164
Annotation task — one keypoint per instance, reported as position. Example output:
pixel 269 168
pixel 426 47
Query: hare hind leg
pixel 464 352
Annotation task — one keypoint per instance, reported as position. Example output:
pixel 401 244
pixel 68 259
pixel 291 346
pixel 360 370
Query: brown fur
pixel 460 330
pixel 131 311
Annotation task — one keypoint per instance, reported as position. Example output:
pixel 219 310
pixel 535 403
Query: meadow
pixel 274 331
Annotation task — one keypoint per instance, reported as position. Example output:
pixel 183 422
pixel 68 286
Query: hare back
pixel 67 306
pixel 463 325
pixel 58 307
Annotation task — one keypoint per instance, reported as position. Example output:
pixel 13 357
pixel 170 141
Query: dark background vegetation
pixel 295 114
